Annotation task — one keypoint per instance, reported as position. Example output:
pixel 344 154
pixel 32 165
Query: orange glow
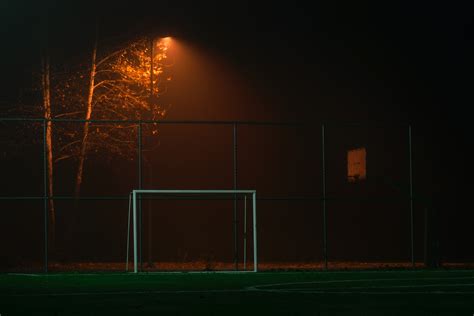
pixel 133 65
pixel 164 42
pixel 356 164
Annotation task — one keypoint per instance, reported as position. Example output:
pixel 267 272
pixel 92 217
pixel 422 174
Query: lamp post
pixel 152 42
pixel 150 164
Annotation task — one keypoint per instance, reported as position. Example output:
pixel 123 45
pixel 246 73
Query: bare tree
pixel 43 107
pixel 115 86
pixel 90 95
pixel 122 85
pixel 46 94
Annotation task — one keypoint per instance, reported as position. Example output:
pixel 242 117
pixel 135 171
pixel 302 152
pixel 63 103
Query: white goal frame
pixel 254 215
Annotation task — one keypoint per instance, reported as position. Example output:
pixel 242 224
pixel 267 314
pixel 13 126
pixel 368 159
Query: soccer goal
pixel 246 196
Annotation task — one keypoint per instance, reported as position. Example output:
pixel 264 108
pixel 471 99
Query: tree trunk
pixel 82 154
pixel 45 80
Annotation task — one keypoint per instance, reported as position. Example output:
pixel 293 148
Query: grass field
pixel 397 292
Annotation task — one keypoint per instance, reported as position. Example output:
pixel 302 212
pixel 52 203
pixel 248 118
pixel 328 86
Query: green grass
pixel 441 292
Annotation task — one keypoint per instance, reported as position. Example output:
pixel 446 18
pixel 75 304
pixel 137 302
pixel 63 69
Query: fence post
pixel 45 198
pixel 323 153
pixel 236 254
pixel 412 237
pixel 139 197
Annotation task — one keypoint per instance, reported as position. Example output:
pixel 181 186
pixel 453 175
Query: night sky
pixel 362 62
pixel 289 61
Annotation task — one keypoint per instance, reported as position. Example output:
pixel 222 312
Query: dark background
pixel 387 63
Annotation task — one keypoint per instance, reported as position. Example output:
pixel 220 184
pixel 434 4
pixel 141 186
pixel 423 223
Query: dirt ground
pixel 220 266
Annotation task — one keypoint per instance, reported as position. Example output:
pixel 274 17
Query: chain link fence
pixel 329 196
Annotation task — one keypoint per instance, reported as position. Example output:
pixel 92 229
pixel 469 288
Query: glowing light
pixel 164 42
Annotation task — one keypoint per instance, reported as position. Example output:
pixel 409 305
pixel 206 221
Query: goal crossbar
pixel 142 191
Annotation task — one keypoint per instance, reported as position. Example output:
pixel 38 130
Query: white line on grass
pixel 127 293
pixel 313 272
pixel 246 290
pixel 384 287
pixel 263 287
pixel 369 293
pixel 268 288
pixel 363 280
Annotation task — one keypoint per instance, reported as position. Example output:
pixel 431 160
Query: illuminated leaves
pixel 123 90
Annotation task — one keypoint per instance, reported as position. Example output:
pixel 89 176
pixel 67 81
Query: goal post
pixel 135 196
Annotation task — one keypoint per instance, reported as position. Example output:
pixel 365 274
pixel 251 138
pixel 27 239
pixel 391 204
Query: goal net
pixel 238 206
